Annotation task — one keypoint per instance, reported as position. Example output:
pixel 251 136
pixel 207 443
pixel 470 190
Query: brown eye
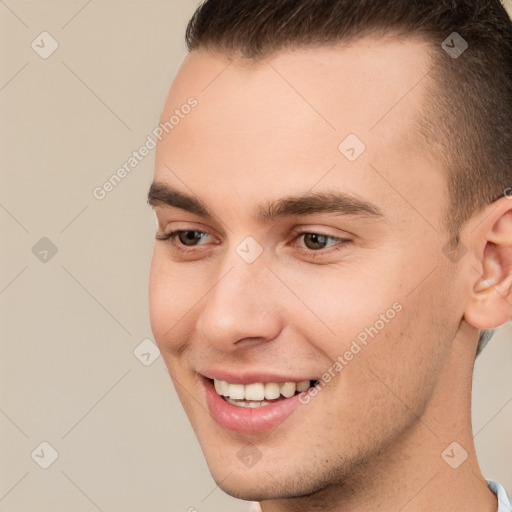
pixel 315 241
pixel 319 245
pixel 190 237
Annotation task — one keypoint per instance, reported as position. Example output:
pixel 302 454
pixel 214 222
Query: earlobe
pixel 490 304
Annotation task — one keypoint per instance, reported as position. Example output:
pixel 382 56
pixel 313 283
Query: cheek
pixel 171 300
pixel 403 363
pixel 343 302
pixel 369 319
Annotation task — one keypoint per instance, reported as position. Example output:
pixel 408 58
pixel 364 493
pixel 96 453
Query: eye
pixel 316 241
pixel 184 237
pixel 314 244
pixel 319 244
pixel 189 237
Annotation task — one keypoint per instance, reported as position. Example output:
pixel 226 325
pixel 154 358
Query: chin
pixel 254 483
pixel 248 490
pixel 264 482
pixel 271 490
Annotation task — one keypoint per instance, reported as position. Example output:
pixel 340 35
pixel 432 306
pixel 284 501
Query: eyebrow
pixel 339 203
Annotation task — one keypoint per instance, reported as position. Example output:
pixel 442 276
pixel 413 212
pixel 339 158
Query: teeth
pixel 236 391
pixel 243 403
pixel 255 391
pixel 221 386
pixel 303 385
pixel 272 391
pixel 258 392
pixel 288 389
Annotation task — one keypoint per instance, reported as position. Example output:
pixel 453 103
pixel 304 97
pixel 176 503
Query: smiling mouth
pixel 260 394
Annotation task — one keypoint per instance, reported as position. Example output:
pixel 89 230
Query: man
pixel 334 237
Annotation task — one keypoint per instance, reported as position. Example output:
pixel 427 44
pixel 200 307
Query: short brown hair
pixel 469 121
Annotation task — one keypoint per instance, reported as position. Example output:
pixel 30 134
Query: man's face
pixel 370 288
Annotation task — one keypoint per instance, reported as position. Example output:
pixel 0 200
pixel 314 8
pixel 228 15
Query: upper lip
pixel 250 376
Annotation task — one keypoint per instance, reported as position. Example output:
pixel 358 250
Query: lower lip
pixel 248 420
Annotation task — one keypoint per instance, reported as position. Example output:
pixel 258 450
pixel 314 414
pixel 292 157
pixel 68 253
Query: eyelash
pixel 170 238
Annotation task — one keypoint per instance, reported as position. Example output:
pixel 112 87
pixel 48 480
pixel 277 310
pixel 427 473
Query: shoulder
pixel 503 501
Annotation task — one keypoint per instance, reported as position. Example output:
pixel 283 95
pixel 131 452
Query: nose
pixel 242 306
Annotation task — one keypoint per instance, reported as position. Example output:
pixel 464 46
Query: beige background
pixel 70 325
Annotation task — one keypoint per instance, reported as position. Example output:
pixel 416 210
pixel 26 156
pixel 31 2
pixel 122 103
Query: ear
pixel 490 301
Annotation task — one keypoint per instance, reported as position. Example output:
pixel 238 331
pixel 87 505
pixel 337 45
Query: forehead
pixel 278 122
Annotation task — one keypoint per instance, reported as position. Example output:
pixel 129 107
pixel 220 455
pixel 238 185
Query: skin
pixel 373 437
